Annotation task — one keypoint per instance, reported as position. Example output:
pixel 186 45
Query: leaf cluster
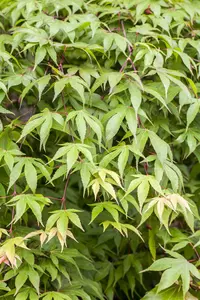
pixel 99 149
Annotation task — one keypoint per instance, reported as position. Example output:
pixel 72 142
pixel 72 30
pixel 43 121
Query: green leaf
pixel 36 209
pixel 81 126
pixel 165 81
pixel 45 129
pixel 21 279
pixel 39 55
pixel 15 173
pixel 120 42
pixel 51 221
pixel 192 112
pixel 85 175
pixel 156 95
pixel 59 87
pixel 136 97
pixel 52 53
pixel 168 278
pixel 62 171
pixel 142 192
pixel 30 126
pixel 34 278
pixel 78 87
pixel 122 161
pixel 174 268
pixel 114 78
pixel 22 296
pixel 21 207
pixel 42 83
pixel 173 292
pixel 131 118
pixel 30 175
pixel 62 224
pixel 72 157
pixel 95 212
pixel 74 218
pixel 96 126
pixel 152 243
pixel 113 125
pixel 159 146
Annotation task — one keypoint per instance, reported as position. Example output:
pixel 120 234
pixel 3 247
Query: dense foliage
pixel 99 149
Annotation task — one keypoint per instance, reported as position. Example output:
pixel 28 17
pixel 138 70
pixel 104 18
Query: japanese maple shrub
pixel 99 149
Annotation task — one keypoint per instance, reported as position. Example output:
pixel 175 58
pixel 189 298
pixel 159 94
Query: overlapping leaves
pixel 99 115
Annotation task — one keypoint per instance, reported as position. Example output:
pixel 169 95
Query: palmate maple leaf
pixel 175 268
pixel 166 205
pixel 8 251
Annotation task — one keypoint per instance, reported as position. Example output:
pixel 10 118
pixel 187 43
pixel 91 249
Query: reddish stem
pixel 195 250
pixel 63 200
pixel 130 49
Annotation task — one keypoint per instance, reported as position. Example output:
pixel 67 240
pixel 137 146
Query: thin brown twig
pixel 63 200
pixel 130 49
pixel 53 198
pixel 140 122
pixel 126 62
pixel 194 286
pixel 193 260
pixel 195 250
